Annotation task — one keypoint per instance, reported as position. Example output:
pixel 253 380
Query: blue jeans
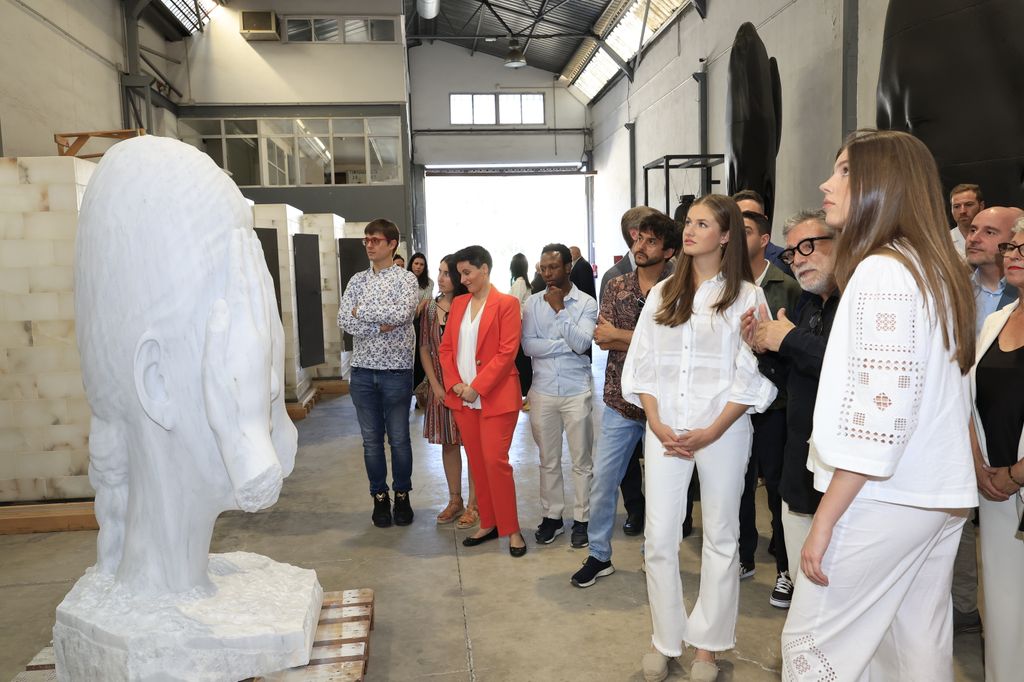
pixel 615 447
pixel 381 398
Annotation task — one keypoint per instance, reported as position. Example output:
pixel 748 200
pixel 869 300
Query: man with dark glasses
pixel 790 353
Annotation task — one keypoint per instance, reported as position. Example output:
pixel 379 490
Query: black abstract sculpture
pixel 753 117
pixel 952 75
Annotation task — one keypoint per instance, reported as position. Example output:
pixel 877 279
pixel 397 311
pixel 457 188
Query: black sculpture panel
pixel 952 75
pixel 753 117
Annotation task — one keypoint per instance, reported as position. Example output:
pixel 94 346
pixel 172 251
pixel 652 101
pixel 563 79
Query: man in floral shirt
pixel 622 424
pixel 377 309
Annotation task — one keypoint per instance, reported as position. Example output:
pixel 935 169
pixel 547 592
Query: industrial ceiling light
pixel 515 57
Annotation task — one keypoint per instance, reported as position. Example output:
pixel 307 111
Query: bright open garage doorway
pixel 506 215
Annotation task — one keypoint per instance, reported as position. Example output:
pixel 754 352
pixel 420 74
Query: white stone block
pixel 16 253
pixel 54 279
pixel 17 490
pixel 63 252
pixel 65 197
pixel 38 465
pixel 56 437
pixel 30 306
pixel 259 617
pixel 12 225
pixel 14 281
pixel 50 225
pixel 9 171
pixel 69 487
pixel 31 413
pixel 60 332
pixel 45 170
pixel 40 359
pixel 24 198
pixel 15 387
pixel 15 334
pixel 54 385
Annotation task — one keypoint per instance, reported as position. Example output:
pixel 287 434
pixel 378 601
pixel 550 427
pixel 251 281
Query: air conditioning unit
pixel 259 25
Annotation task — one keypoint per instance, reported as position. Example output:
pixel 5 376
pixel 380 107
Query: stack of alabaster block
pixel 286 221
pixel 329 228
pixel 44 416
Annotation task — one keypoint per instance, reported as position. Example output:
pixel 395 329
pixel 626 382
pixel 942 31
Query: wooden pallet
pixel 299 409
pixel 47 518
pixel 341 646
pixel 331 386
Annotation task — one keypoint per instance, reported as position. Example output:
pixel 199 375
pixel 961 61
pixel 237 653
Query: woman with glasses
pixel 439 425
pixel 689 369
pixel 998 442
pixel 890 444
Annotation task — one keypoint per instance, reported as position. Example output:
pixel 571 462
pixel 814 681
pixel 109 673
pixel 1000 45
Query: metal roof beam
pixel 554 22
pixel 497 16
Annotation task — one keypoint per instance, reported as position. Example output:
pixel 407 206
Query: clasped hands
pixel 684 444
pixel 466 392
pixel 762 333
pixel 994 482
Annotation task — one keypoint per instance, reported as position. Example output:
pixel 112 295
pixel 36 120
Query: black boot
pixel 381 510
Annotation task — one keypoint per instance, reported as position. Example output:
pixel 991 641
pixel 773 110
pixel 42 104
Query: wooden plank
pixel 349 671
pixel 44 660
pixel 332 386
pixel 47 518
pixel 337 653
pixel 344 614
pixel 348 598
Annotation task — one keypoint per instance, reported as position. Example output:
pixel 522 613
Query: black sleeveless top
pixel 1000 402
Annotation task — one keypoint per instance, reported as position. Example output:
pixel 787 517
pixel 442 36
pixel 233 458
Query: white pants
pixel 795 527
pixel 721 466
pixel 1002 572
pixel 886 615
pixel 549 417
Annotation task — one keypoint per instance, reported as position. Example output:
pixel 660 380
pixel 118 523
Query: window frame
pixel 341 19
pixel 497 108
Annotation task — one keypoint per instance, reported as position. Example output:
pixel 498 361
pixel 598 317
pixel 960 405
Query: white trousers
pixel 549 417
pixel 886 614
pixel 1002 572
pixel 721 466
pixel 795 527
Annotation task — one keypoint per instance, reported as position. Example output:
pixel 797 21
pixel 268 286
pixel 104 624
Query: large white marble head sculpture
pixel 182 359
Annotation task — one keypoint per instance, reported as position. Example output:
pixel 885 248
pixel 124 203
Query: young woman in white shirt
pixel 689 369
pixel 890 448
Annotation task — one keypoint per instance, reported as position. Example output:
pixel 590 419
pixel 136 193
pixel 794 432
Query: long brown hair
pixel 677 297
pixel 896 200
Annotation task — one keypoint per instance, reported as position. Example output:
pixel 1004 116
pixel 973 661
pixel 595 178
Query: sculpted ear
pixel 149 367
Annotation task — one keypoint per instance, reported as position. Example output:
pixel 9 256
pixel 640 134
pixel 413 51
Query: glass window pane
pixel 243 160
pixel 508 109
pixel 383 126
pixel 299 31
pixel 382 30
pixel 214 146
pixel 461 109
pixel 384 159
pixel 349 160
pixel 356 31
pixel 243 127
pixel 483 109
pixel 198 127
pixel 347 126
pixel 312 126
pixel 325 30
pixel 314 161
pixel 533 109
pixel 277 126
pixel 281 161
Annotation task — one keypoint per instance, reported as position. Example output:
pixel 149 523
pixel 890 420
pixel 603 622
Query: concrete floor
pixel 443 612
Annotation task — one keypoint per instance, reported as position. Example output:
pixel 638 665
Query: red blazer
pixel 497 380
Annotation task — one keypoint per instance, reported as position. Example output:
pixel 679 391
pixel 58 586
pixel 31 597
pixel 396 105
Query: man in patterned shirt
pixel 377 309
pixel 622 424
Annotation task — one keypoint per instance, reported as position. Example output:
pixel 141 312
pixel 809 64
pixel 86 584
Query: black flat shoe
pixel 473 542
pixel 517 552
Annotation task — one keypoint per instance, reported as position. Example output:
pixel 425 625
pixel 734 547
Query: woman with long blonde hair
pixel 696 379
pixel 890 448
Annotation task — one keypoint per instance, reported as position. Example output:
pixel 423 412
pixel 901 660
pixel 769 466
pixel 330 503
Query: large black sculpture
pixel 753 115
pixel 952 74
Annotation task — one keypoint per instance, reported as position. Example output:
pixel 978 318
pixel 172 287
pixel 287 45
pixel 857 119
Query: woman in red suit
pixel 478 353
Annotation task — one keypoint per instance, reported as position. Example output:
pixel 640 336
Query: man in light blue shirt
pixel 989 228
pixel 558 330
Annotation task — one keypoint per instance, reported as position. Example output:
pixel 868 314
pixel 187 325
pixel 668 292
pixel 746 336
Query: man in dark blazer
pixel 582 273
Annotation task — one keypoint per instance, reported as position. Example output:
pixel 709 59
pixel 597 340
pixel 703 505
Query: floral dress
pixel 439 425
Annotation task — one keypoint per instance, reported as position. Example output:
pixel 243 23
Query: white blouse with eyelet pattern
pixel 697 367
pixel 892 403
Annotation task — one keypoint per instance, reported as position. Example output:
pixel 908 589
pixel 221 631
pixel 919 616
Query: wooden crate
pixel 341 646
pixel 298 410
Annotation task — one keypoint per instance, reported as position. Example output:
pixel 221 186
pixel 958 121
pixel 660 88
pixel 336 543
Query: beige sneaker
pixel 702 671
pixel 655 665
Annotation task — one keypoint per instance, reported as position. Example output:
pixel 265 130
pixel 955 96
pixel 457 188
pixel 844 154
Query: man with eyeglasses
pixel 377 309
pixel 790 355
pixel 622 425
pixel 782 292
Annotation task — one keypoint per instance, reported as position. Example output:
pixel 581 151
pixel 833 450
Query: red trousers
pixel 487 440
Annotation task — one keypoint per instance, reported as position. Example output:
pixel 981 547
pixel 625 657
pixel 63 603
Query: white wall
pixel 224 68
pixel 871 26
pixel 805 36
pixel 439 69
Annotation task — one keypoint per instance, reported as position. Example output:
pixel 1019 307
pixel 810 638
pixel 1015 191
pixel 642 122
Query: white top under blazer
pixel 697 367
pixel 892 403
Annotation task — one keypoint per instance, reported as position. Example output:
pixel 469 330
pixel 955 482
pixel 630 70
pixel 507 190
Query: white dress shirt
pixel 465 359
pixel 694 369
pixel 892 403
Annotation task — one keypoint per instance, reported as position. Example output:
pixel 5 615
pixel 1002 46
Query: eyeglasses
pixel 1006 248
pixel 374 241
pixel 805 247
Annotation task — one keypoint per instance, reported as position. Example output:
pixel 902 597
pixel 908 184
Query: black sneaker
pixel 591 571
pixel 782 595
pixel 579 538
pixel 634 524
pixel 381 510
pixel 403 510
pixel 548 530
pixel 746 570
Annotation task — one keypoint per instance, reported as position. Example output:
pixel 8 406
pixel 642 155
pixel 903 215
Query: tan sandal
pixel 451 512
pixel 469 518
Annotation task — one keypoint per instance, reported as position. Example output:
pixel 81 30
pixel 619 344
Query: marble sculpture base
pixel 260 617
